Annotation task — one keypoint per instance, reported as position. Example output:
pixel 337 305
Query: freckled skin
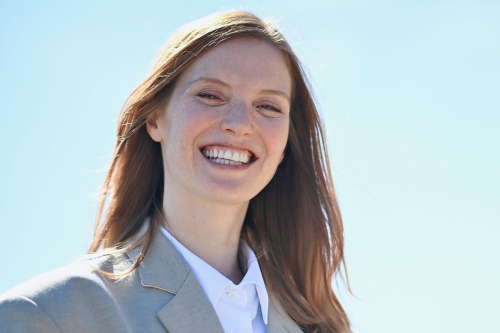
pixel 235 108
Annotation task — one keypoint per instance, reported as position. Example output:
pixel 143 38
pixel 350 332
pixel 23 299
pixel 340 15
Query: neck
pixel 208 229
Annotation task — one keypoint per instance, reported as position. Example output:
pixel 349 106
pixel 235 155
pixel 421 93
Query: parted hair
pixel 294 224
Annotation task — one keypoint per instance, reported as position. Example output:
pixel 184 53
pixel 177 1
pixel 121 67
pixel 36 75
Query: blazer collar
pixel 190 310
pixel 279 321
pixel 162 267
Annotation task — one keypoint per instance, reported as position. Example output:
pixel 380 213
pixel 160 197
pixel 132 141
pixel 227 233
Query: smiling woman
pixel 222 215
pixel 234 99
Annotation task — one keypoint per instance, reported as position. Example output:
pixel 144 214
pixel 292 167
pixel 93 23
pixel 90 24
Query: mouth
pixel 227 155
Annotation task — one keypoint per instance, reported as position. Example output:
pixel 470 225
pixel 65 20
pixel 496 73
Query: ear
pixel 153 128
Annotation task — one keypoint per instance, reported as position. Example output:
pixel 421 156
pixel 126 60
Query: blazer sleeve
pixel 20 314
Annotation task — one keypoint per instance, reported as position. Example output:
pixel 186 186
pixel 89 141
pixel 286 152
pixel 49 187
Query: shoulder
pixel 76 278
pixel 40 303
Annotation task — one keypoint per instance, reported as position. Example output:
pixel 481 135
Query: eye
pixel 269 107
pixel 207 96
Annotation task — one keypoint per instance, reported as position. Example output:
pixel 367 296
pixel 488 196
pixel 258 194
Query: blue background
pixel 409 91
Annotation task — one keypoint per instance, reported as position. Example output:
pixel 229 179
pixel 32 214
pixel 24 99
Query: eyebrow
pixel 209 80
pixel 222 83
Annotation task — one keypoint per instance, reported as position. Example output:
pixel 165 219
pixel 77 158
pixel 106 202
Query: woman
pixel 221 213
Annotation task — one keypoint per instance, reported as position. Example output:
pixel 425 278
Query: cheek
pixel 275 133
pixel 187 121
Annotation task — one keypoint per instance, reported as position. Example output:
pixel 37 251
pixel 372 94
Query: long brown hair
pixel 293 224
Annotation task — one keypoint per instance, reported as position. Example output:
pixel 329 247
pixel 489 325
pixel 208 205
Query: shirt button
pixel 233 296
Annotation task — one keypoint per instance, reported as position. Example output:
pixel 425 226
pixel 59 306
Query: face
pixel 225 128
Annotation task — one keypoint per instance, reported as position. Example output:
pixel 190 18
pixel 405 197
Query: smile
pixel 225 155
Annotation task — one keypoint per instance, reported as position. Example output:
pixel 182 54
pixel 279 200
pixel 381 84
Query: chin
pixel 231 197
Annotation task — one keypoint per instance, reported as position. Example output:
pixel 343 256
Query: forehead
pixel 243 62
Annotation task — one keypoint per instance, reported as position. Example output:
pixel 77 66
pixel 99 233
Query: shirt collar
pixel 254 275
pixel 214 283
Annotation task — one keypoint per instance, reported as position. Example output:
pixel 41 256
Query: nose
pixel 238 120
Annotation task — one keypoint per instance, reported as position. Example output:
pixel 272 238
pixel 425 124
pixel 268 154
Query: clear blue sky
pixel 409 91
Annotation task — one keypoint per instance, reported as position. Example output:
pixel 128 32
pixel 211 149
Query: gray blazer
pixel 162 295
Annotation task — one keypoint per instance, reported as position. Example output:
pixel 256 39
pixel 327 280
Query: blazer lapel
pixel 164 268
pixel 278 321
pixel 190 310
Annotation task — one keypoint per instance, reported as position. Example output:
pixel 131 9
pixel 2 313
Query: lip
pixel 227 166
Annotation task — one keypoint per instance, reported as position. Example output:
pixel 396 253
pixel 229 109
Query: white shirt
pixel 241 308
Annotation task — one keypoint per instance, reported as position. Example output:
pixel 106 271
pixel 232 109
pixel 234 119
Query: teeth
pixel 223 161
pixel 227 157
